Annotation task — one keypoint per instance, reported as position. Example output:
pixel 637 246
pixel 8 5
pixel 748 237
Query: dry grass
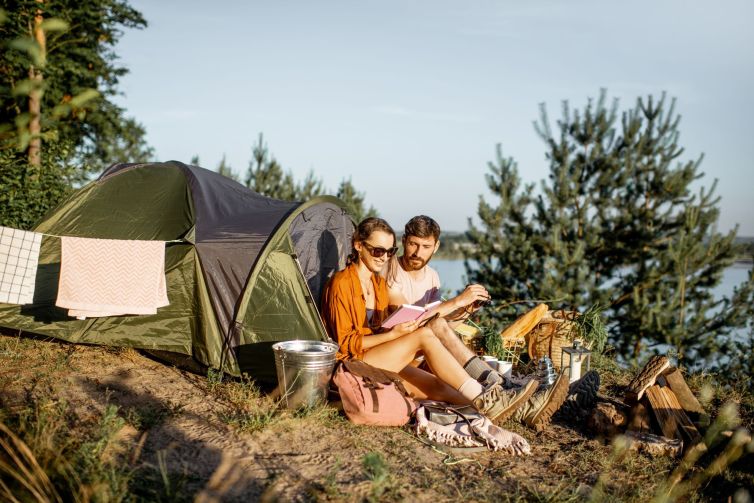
pixel 92 450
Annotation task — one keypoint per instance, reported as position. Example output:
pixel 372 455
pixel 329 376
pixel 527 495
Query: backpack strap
pixel 373 377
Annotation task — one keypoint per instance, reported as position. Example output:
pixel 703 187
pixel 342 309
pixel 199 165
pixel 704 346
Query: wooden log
pixel 638 418
pixel 617 403
pixel 606 420
pixel 673 420
pixel 673 378
pixel 662 410
pixel 645 378
pixel 654 445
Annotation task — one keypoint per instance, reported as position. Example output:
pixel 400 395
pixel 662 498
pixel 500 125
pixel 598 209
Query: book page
pixel 430 309
pixel 407 312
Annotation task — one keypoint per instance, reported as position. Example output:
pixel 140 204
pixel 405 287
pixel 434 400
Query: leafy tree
pixel 616 224
pixel 28 192
pixel 58 83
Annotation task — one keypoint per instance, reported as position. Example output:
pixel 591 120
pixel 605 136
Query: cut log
pixel 672 419
pixel 638 419
pixel 654 445
pixel 662 410
pixel 646 378
pixel 606 420
pixel 673 378
pixel 617 403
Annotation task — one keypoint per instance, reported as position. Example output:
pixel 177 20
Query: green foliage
pixel 29 192
pixel 78 76
pixel 615 224
pixel 41 460
pixel 354 201
pixel 378 471
pixel 223 168
pixel 265 176
pixel 590 327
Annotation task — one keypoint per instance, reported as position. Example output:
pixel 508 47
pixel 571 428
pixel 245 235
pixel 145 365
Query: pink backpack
pixel 373 396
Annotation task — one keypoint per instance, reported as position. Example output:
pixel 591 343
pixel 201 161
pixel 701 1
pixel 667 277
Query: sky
pixel 409 98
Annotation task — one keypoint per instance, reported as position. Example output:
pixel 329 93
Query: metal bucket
pixel 304 369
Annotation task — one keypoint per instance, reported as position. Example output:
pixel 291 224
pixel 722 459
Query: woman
pixel 354 306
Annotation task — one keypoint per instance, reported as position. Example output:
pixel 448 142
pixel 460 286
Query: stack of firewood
pixel 659 414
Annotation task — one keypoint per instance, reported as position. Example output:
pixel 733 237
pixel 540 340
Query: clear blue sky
pixel 409 98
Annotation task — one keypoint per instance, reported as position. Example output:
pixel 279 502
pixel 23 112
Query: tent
pixel 242 270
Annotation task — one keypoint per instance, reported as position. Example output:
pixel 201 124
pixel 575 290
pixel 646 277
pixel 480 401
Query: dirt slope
pixel 206 443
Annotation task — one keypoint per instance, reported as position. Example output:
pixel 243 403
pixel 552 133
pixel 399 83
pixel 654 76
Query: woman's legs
pixel 421 384
pixel 397 354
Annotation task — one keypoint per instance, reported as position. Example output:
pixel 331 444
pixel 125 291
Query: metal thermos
pixel 546 371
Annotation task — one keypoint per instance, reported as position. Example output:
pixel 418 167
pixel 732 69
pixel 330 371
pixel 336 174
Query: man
pixel 412 281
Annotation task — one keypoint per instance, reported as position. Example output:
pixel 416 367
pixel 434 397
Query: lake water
pixel 453 276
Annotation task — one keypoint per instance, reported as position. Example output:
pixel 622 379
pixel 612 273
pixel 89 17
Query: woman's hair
pixel 365 229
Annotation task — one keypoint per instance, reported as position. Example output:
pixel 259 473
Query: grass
pixel 146 417
pixel 51 450
pixel 378 473
pixel 43 457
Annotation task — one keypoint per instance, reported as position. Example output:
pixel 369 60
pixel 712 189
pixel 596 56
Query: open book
pixel 409 312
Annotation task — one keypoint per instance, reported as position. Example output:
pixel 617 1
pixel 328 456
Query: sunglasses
pixel 378 251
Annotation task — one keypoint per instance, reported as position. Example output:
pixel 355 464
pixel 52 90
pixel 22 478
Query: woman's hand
pixel 404 328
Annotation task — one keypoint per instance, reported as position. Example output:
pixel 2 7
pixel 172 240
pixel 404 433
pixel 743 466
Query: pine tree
pixel 616 224
pixel 354 201
pixel 268 178
pixel 265 176
pixel 223 168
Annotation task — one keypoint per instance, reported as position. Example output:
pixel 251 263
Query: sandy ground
pixel 315 457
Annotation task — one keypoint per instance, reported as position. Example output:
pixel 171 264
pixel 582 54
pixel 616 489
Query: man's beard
pixel 416 263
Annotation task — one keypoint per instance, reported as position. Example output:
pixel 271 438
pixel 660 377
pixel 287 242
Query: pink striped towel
pixel 111 277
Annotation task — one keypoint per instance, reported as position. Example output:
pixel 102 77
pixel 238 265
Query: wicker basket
pixel 512 349
pixel 471 337
pixel 553 333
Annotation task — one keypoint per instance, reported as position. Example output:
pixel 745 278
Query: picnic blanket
pixel 463 427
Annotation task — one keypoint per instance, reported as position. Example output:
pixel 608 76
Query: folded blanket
pixel 19 257
pixel 110 277
pixel 469 430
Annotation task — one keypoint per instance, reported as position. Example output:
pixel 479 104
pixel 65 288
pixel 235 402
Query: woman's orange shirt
pixel 345 312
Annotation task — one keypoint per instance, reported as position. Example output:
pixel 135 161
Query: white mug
pixel 491 361
pixel 505 368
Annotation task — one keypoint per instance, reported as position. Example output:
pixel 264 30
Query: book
pixel 409 312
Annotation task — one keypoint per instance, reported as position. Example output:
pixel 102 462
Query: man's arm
pixel 462 303
pixel 396 299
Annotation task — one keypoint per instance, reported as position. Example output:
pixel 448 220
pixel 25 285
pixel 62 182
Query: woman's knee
pixel 439 324
pixel 441 329
pixel 426 337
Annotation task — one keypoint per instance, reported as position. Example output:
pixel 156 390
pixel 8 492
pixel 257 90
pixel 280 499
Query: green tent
pixel 243 271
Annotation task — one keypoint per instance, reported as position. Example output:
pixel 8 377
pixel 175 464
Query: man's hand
pixel 470 295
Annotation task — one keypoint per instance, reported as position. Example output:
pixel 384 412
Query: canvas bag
pixel 373 396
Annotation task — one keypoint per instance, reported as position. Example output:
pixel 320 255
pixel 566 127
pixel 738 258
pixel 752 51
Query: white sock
pixel 470 388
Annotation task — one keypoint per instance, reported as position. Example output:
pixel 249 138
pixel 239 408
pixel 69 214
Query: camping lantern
pixel 577 356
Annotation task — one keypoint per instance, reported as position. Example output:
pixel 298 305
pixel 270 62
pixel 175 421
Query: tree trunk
pixel 35 98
